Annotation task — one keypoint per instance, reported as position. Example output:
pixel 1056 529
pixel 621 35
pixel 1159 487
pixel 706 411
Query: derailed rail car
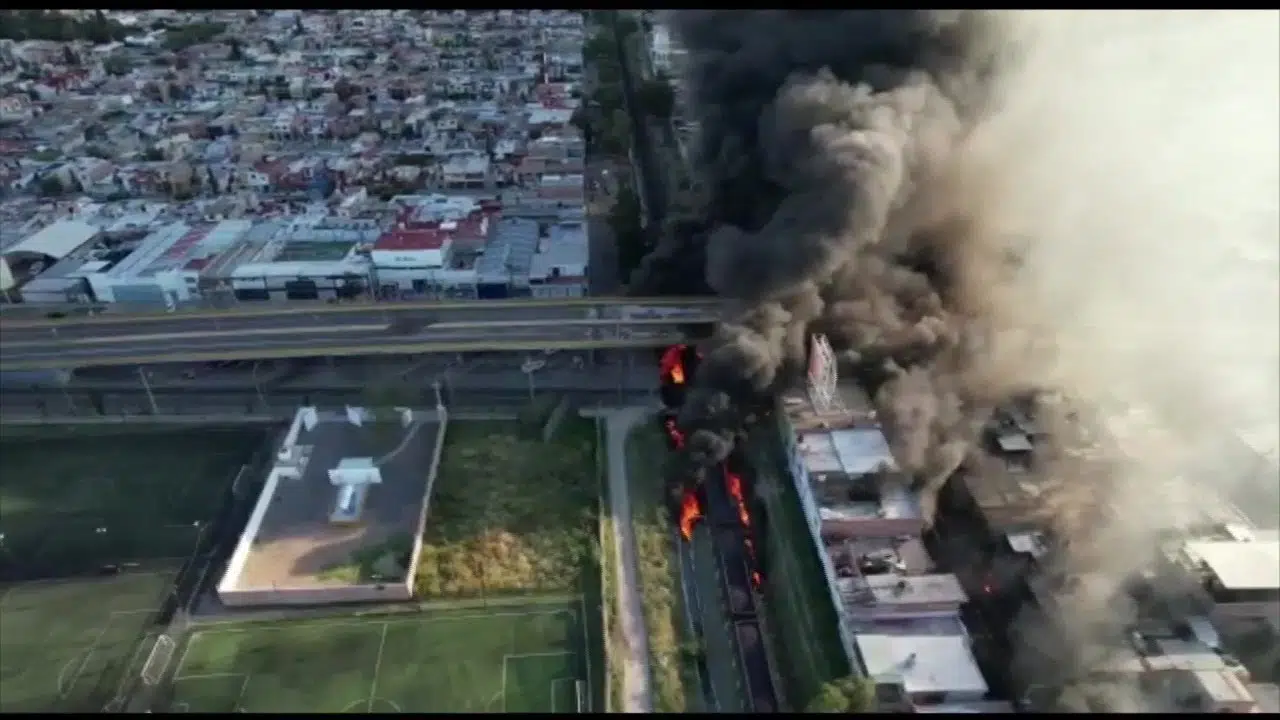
pixel 755 665
pixel 734 575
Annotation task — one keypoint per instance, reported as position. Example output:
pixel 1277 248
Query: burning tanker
pixel 688 491
pixel 719 497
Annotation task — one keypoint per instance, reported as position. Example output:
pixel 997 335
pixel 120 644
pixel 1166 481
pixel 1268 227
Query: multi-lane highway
pixel 453 310
pixel 357 330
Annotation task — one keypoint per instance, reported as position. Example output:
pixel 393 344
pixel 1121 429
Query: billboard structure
pixel 823 375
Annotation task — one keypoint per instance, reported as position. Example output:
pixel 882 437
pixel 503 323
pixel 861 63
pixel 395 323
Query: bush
pixel 851 694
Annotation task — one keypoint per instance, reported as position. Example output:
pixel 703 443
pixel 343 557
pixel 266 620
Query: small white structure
pixel 352 477
pixel 357 415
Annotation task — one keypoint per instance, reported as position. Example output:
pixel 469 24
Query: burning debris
pixel 724 497
pixel 826 140
pixel 677 368
pixel 856 179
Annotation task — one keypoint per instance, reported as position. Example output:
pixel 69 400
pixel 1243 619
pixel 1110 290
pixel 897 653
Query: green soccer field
pixel 72 646
pixel 514 660
pixel 71 505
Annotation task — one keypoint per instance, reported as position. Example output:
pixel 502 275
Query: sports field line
pixel 507 658
pixel 377 668
pixel 553 692
pixel 65 690
pixel 577 614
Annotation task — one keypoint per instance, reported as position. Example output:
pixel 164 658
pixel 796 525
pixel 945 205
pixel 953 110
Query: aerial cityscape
pixel 744 361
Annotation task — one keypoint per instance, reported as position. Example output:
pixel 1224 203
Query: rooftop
pixel 849 452
pixel 1249 565
pixel 395 240
pixel 923 663
pixel 852 409
pixel 296 540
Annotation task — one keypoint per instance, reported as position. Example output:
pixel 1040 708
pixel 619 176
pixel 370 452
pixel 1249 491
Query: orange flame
pixel 673 432
pixel 672 364
pixel 690 514
pixel 734 483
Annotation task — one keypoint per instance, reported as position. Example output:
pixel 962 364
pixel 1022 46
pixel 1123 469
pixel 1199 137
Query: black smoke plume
pixel 969 204
pixel 824 144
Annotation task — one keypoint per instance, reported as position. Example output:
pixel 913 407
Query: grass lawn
pixel 509 514
pixel 674 680
pixel 69 505
pixel 531 660
pixel 802 619
pixel 71 646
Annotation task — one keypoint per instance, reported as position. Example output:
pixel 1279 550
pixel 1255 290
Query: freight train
pixel 720 500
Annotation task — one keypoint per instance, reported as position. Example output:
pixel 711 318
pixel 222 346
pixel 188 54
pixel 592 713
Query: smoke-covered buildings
pixel 1171 635
pixel 900 614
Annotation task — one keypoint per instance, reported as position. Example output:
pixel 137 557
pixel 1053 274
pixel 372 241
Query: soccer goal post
pixel 158 660
pixel 579 689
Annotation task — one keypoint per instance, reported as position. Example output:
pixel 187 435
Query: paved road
pixel 290 314
pixel 636 696
pixel 331 341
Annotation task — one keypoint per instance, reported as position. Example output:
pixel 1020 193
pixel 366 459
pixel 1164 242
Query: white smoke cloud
pixel 1139 155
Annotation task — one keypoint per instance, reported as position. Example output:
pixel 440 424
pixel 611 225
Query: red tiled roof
pixel 410 240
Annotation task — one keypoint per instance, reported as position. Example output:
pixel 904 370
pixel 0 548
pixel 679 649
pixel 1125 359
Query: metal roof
pixel 57 240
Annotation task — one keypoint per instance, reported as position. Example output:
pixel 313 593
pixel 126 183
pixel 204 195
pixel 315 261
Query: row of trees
pixel 60 27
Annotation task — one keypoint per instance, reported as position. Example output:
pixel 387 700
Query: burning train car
pixel 721 500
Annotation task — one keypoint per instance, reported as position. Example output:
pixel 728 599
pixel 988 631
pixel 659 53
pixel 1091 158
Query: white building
pixel 165 268
pixel 664 53
pixel 45 247
pixel 931 669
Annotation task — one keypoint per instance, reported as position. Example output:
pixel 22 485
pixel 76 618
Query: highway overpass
pixel 373 332
pixel 454 310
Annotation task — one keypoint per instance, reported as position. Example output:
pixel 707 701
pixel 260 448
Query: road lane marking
pixel 200 334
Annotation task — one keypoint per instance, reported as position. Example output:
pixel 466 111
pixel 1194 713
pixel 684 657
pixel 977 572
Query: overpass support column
pixel 146 385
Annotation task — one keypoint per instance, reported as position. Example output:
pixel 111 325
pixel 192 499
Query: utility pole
pixel 257 385
pixel 146 385
pixel 531 366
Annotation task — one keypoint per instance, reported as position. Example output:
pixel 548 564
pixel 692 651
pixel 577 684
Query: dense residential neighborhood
pixel 242 155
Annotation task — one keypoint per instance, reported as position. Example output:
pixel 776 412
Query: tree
pixel 117 65
pixel 626 25
pixel 50 186
pixel 599 48
pixel 656 98
pixel 629 237
pixel 851 694
pixel 345 89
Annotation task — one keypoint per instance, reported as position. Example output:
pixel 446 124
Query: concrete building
pixel 28 258
pixel 166 267
pixel 931 669
pixel 865 523
pixel 665 54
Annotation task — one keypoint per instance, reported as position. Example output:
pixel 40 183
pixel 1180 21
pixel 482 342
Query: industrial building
pixel 899 616
pixel 434 245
